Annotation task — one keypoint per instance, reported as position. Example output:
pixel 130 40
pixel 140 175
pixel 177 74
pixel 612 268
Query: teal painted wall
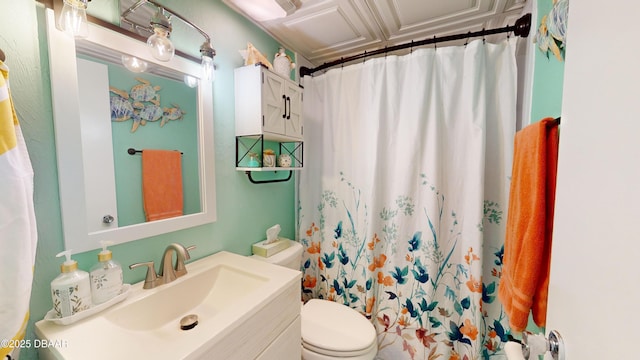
pixel 547 89
pixel 245 210
pixel 548 76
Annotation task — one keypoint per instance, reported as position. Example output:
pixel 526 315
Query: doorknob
pixel 534 345
pixel 556 345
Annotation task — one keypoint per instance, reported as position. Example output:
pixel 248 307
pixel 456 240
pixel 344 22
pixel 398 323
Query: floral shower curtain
pixel 403 196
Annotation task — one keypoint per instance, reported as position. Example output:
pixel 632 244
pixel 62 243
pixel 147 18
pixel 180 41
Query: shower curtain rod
pixel 521 28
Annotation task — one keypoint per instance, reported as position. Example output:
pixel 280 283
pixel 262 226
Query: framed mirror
pixel 100 182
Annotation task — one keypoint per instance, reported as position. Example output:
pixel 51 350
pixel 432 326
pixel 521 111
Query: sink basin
pixel 205 294
pixel 241 304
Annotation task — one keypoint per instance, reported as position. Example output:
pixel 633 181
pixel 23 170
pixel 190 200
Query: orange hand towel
pixel 161 184
pixel 527 248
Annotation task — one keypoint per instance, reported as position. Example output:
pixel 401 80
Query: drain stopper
pixel 188 322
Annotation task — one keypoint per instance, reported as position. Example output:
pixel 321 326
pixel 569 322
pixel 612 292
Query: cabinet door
pixel 273 101
pixel 293 119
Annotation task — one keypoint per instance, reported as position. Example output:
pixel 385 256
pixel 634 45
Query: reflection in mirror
pixel 150 112
pixel 100 182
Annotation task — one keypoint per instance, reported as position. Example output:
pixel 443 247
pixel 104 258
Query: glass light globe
pixel 161 47
pixel 73 19
pixel 134 64
pixel 190 81
pixel 208 69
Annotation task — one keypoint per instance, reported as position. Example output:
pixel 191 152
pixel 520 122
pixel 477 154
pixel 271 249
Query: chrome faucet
pixel 168 272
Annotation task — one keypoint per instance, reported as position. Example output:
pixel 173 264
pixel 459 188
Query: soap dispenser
pixel 106 276
pixel 70 291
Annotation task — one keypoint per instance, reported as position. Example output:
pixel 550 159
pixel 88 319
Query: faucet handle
pixel 180 269
pixel 151 279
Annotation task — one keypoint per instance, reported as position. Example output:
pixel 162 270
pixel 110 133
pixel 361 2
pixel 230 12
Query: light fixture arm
pixel 161 47
pixel 139 3
pixel 133 8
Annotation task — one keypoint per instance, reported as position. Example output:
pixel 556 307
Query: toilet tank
pixel 291 257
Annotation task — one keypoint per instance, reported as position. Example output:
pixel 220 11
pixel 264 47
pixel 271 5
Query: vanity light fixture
pixel 134 64
pixel 161 47
pixel 73 18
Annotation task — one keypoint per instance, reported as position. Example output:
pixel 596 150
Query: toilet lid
pixel 335 327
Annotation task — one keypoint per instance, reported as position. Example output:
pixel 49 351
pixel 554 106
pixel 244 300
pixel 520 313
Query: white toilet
pixel 329 330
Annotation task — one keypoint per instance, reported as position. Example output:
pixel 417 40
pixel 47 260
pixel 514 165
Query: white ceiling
pixel 326 30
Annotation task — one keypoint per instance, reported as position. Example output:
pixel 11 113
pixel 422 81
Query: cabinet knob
pixel 108 219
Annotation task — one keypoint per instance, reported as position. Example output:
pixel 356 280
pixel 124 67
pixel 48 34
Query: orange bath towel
pixel 161 184
pixel 527 248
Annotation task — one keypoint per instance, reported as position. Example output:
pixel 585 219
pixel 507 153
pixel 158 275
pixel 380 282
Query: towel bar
pixel 132 151
pixel 268 181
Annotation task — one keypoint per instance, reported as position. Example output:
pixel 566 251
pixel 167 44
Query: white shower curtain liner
pixel 404 192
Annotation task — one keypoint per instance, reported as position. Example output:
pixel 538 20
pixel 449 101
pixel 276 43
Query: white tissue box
pixel 266 250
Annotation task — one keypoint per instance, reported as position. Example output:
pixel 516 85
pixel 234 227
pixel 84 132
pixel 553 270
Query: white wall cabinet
pixel 268 108
pixel 267 104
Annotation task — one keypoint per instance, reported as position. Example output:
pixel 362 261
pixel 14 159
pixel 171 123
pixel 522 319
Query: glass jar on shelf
pixel 254 161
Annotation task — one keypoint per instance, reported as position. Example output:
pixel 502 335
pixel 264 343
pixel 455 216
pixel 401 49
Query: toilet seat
pixel 336 330
pixel 320 353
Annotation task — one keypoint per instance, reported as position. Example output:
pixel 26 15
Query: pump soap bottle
pixel 106 276
pixel 70 291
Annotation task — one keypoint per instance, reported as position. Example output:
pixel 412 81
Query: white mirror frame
pixel 69 143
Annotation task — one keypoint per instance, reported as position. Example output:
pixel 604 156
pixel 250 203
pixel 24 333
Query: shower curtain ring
pixel 484 39
pixel 364 56
pixel 468 36
pixel 435 43
pixel 411 48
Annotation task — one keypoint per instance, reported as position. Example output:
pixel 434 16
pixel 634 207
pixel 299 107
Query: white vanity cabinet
pixel 267 104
